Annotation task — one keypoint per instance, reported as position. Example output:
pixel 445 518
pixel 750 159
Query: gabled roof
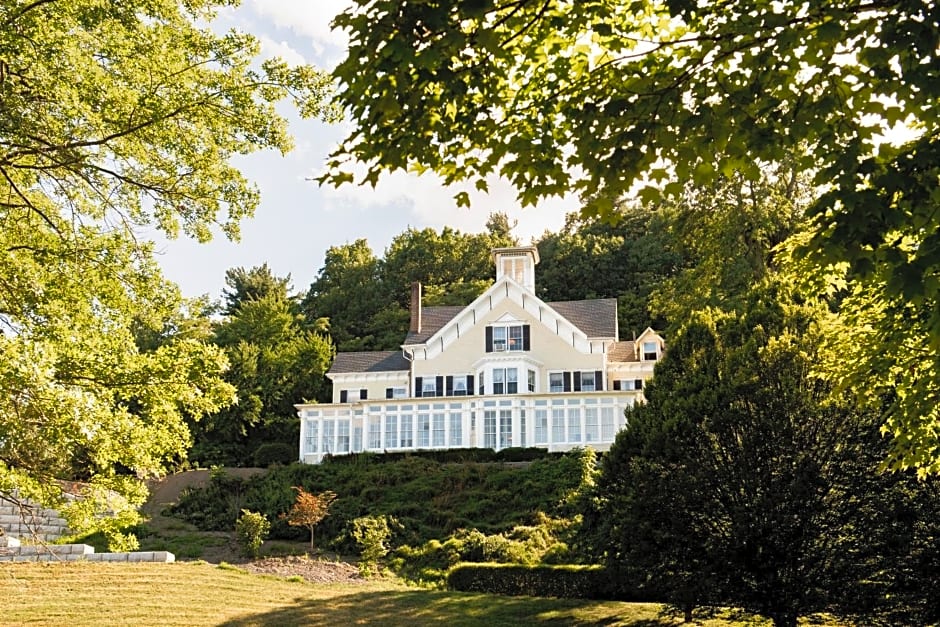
pixel 370 361
pixel 596 318
pixel 622 352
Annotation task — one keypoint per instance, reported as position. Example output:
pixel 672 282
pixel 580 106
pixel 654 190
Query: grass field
pixel 197 593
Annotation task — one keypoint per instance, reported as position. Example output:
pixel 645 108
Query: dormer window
pixel 650 351
pixel 510 337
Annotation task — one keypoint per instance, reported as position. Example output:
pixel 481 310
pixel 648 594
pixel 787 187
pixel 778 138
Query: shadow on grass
pixel 423 607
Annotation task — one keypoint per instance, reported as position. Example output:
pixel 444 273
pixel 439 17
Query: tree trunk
pixel 784 619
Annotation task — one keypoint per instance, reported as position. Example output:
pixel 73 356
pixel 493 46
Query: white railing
pixel 558 422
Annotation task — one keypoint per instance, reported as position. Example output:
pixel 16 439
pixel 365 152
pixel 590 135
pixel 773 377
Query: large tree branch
pixel 28 202
pixel 29 7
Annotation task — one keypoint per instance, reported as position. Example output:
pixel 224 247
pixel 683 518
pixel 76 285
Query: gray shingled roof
pixel 374 361
pixel 597 318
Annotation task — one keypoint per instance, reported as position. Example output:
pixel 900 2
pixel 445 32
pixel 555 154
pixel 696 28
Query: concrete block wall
pixel 77 553
pixel 31 521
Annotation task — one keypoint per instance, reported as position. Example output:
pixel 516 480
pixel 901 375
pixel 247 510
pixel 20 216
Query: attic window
pixel 513 337
pixel 650 351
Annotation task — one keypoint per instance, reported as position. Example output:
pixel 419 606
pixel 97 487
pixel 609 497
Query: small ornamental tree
pixel 309 509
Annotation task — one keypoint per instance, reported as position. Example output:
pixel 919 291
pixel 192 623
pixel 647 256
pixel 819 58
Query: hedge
pixel 569 581
pixel 459 455
pixel 274 453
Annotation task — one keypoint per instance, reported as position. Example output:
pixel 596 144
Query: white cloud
pixel 305 19
pixel 432 204
pixel 271 48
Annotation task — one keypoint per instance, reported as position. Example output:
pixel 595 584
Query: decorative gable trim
pixel 504 289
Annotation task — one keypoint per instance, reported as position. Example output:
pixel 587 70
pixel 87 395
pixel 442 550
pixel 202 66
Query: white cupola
pixel 517 262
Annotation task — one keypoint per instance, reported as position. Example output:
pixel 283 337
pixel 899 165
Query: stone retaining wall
pixel 40 526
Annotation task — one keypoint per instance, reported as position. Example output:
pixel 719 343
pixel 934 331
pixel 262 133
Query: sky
pixel 297 220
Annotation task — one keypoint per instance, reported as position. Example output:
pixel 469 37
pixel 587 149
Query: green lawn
pixel 197 593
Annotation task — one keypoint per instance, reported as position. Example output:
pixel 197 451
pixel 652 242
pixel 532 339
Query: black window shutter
pixel 470 389
pixel 449 386
pixel 638 384
pixel 489 339
pixel 566 381
pixel 526 338
pixel 617 384
pixel 577 380
pixel 342 396
pixel 418 388
pixel 363 394
pixel 439 386
pixel 598 380
pixel 389 392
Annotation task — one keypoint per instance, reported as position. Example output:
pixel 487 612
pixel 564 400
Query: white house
pixel 506 370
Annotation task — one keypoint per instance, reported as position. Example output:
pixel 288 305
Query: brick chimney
pixel 415 326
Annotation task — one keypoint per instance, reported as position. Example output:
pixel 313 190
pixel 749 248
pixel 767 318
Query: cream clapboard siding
pixel 464 354
pixel 375 384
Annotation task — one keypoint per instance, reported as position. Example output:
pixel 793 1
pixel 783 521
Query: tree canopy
pixel 628 261
pixel 610 99
pixel 117 117
pixel 276 359
pixel 366 299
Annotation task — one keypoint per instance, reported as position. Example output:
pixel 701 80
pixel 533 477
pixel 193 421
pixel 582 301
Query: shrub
pixel 520 454
pixel 371 533
pixel 251 529
pixel 121 542
pixel 273 453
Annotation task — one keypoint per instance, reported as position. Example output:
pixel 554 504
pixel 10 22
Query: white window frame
pixel 561 382
pixel 508 380
pixel 343 441
pixel 437 429
pixel 500 339
pixel 508 338
pixel 505 429
pixel 650 355
pixel 456 429
pixel 406 431
pixel 590 374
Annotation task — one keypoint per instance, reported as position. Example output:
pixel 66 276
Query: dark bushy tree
pixel 742 481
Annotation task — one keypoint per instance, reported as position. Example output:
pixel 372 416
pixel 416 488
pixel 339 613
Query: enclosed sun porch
pixel 557 422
